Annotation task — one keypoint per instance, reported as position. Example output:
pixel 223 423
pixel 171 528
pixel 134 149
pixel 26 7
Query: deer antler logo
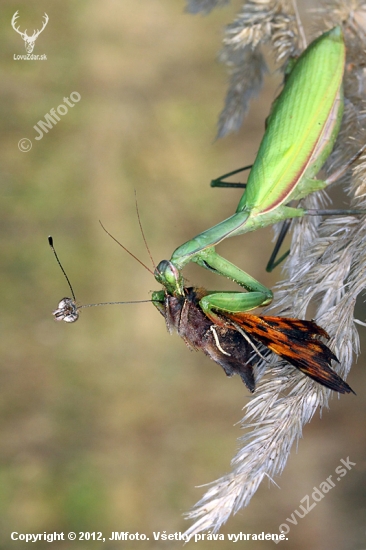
pixel 29 40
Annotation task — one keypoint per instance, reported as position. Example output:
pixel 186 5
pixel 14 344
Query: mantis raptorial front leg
pixel 212 304
pixel 257 295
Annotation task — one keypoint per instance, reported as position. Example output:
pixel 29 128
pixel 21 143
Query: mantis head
pixel 168 275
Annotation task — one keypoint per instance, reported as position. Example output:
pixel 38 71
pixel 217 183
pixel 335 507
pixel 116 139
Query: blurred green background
pixel 110 424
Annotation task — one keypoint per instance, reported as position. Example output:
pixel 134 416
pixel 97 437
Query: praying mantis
pixel 301 130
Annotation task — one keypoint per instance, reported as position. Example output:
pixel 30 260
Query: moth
pixel 232 341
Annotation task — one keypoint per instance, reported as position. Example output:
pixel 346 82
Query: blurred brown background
pixel 110 424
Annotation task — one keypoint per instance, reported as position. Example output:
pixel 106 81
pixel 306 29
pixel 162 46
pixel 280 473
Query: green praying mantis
pixel 301 130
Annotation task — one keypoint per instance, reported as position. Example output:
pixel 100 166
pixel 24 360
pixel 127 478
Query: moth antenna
pixel 126 249
pixel 116 303
pixel 142 231
pixel 50 242
pixel 67 309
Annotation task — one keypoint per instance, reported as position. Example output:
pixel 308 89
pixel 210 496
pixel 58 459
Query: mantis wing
pixel 308 110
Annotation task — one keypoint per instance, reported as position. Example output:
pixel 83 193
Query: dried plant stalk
pixel 327 261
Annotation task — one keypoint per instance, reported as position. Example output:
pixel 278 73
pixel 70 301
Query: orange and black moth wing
pixel 296 341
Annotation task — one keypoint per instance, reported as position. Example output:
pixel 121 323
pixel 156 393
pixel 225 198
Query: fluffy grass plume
pixel 326 266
